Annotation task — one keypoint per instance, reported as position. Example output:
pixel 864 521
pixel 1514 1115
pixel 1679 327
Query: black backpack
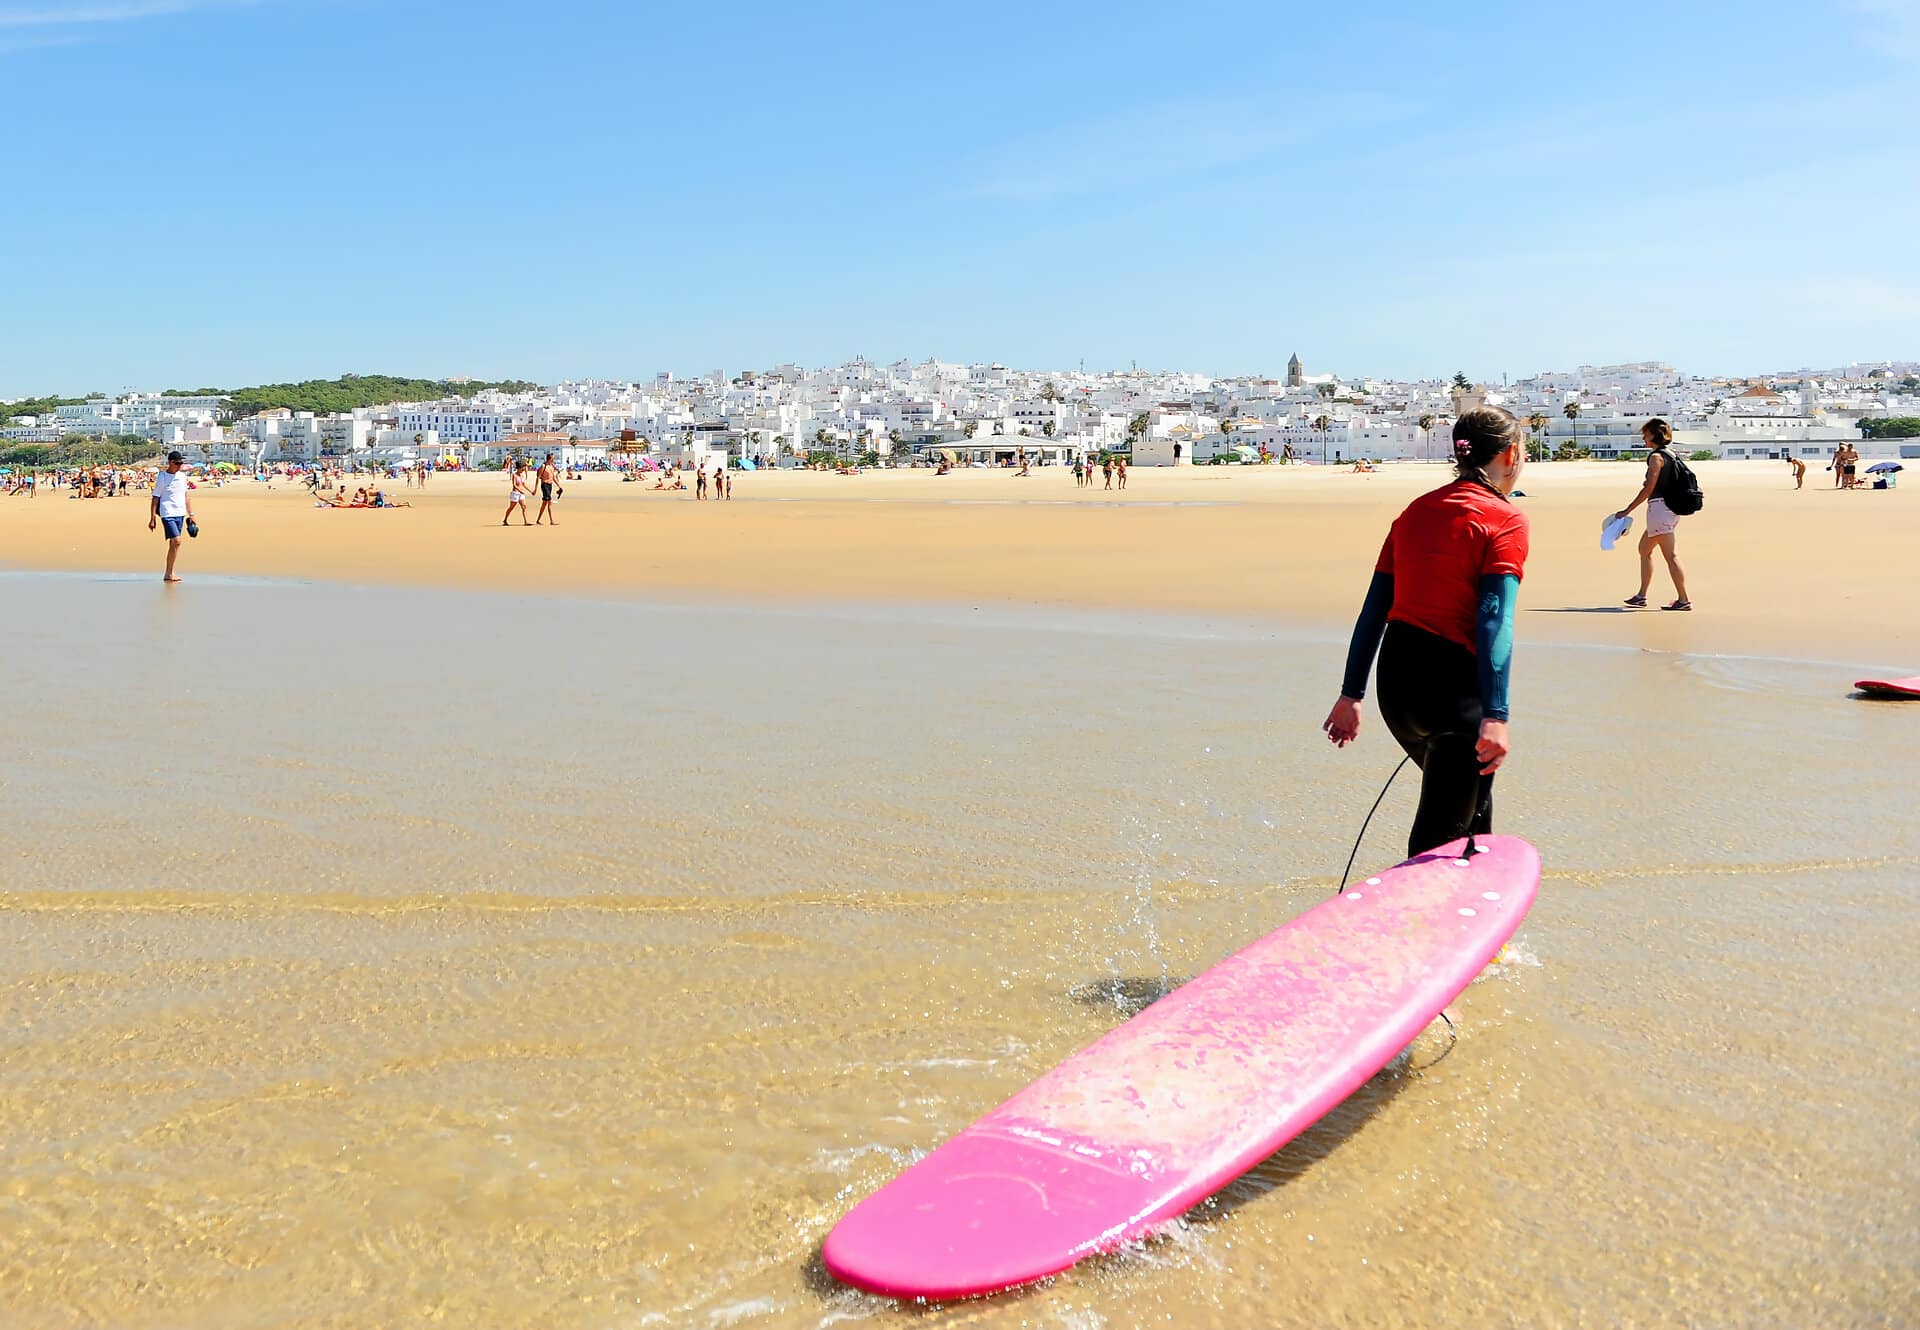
pixel 1681 488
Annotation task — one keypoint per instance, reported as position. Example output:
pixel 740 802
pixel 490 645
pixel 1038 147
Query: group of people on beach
pixel 364 497
pixel 91 482
pixel 1112 467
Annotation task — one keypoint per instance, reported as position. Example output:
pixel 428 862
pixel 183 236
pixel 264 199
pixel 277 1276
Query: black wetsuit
pixel 1429 694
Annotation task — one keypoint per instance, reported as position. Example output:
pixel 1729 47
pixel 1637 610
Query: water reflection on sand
pixel 378 954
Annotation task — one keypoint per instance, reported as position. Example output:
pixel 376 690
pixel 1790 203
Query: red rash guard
pixel 1441 546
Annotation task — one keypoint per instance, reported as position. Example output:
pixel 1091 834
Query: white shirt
pixel 170 487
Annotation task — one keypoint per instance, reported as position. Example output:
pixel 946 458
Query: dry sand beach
pixel 407 921
pixel 1813 573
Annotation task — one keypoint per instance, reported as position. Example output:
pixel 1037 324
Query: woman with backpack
pixel 1665 476
pixel 1439 613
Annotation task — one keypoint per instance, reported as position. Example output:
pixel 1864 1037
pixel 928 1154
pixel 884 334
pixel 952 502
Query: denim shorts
pixel 175 527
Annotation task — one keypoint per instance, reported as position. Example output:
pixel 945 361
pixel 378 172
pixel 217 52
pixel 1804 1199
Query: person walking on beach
pixel 1799 470
pixel 172 508
pixel 700 482
pixel 1439 614
pixel 548 479
pixel 516 491
pixel 1662 522
pixel 1106 471
pixel 1079 471
pixel 1120 471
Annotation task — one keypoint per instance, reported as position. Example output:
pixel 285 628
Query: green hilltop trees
pixel 320 396
pixel 324 396
pixel 34 406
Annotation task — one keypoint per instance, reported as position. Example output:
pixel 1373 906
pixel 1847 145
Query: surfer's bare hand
pixel 1343 722
pixel 1492 748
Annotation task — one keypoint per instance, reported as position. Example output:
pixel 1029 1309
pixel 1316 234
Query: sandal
pixel 1637 602
pixel 1679 605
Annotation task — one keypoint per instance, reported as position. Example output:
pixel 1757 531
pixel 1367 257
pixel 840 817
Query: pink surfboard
pixel 1133 1130
pixel 1890 687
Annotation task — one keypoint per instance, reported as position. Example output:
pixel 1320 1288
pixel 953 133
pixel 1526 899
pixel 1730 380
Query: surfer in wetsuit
pixel 1439 614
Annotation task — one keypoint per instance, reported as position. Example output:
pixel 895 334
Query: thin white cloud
pixel 1873 299
pixel 79 15
pixel 20 40
pixel 1893 26
pixel 1163 142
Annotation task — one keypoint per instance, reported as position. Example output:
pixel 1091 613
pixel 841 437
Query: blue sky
pixel 207 193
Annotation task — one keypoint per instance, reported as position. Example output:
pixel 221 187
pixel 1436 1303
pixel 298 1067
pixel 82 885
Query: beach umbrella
pixel 1885 466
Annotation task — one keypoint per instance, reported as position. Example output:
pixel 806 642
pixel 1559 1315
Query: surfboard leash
pixel 1453 1031
pixel 1355 852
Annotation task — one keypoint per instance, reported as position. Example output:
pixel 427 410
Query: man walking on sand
pixel 172 507
pixel 549 479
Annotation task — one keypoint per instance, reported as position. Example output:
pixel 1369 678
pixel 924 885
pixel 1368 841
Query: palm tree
pixel 1427 422
pixel 1536 421
pixel 1572 413
pixel 1323 424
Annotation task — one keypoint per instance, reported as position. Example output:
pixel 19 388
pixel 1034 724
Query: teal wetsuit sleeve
pixel 1493 641
pixel 1367 632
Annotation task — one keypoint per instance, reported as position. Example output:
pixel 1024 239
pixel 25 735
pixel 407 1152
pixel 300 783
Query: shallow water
pixel 372 956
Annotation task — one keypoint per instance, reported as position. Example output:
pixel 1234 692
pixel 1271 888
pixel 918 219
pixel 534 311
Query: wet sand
pixel 1814 573
pixel 388 956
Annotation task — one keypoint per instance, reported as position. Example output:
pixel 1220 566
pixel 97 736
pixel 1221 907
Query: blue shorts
pixel 175 527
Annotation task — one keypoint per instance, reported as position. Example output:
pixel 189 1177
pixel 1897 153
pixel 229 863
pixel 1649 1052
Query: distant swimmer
pixel 172 507
pixel 1799 470
pixel 1663 524
pixel 1439 613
